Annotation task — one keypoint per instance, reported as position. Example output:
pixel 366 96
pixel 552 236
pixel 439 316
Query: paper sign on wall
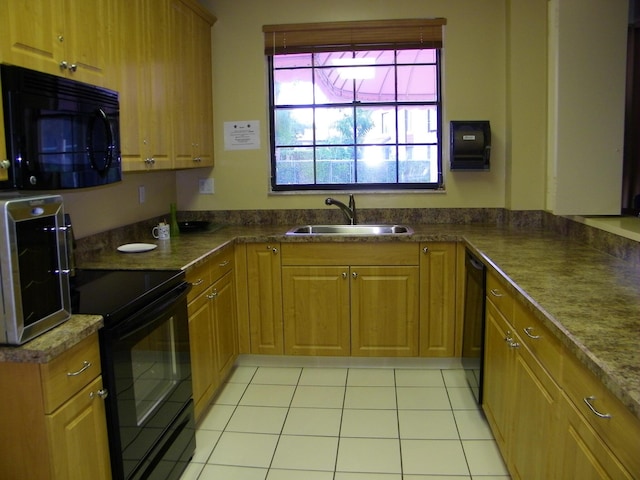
pixel 242 135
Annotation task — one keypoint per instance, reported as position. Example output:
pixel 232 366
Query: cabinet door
pixel 437 299
pixel 585 454
pixel 190 59
pixel 86 40
pixel 32 35
pixel 181 58
pixel 264 285
pixel 384 311
pixel 78 436
pixel 316 310
pixel 203 372
pixel 224 324
pixel 144 86
pixel 535 444
pixel 202 91
pixel 498 376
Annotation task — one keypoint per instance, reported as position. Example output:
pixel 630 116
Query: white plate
pixel 136 247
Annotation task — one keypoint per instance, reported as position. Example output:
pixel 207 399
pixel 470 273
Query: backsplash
pixel 612 244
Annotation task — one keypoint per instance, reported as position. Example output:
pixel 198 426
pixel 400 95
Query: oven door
pixel 146 369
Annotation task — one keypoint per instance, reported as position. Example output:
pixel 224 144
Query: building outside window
pixel 363 114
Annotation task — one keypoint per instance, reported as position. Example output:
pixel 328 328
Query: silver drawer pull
pixel 495 292
pixel 529 334
pixel 85 365
pixel 224 264
pixel 197 282
pixel 588 401
pixel 213 294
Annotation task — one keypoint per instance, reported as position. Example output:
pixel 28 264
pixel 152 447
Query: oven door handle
pixel 150 314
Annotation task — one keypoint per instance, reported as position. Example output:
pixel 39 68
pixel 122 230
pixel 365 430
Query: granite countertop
pixel 590 300
pixel 49 345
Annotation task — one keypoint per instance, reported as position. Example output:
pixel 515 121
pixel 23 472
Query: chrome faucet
pixel 349 212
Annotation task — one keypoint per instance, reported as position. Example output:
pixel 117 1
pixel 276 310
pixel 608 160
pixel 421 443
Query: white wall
pixel 474 85
pixel 587 65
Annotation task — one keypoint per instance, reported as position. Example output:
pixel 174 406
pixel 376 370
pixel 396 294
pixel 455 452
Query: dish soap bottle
pixel 173 221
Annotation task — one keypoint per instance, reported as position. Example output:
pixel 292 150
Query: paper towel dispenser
pixel 470 145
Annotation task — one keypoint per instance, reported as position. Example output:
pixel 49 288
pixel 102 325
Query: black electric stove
pixel 146 368
pixel 115 294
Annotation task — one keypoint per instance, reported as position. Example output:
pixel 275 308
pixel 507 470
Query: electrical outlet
pixel 206 186
pixel 142 194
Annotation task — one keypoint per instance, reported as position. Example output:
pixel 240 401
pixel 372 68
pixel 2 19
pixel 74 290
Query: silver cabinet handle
pixel 344 274
pixel 213 294
pixel 510 341
pixel 102 393
pixel 425 250
pixel 223 264
pixel 63 65
pixel 529 334
pixel 86 364
pixel 197 282
pixel 588 401
pixel 495 292
pixel 273 249
pixel 5 164
pixel 354 274
pixel 73 67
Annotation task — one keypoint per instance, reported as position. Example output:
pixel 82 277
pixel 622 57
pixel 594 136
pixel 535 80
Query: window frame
pixel 355 186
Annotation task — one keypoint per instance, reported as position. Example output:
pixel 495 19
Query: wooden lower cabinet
pixel 264 286
pixel 212 326
pixel 438 299
pixel 498 374
pixel 520 397
pixel 316 310
pixel 358 299
pixel 384 311
pixel 585 454
pixel 535 394
pixel 54 425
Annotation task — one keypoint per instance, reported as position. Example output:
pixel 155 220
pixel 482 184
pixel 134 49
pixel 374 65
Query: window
pixel 356 114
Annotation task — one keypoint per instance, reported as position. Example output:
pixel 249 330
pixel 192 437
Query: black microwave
pixel 60 133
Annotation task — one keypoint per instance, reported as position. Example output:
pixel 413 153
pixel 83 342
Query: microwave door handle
pixel 109 155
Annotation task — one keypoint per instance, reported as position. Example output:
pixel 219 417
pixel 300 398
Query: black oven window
pixel 155 367
pixel 39 268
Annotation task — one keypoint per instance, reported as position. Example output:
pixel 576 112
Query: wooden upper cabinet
pixel 144 83
pixel 69 38
pixel 192 109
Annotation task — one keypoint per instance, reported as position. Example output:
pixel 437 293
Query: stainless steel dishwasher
pixel 473 327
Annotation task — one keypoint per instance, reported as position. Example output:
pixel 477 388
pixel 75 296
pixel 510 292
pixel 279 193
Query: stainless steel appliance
pixel 146 368
pixel 60 133
pixel 473 328
pixel 34 272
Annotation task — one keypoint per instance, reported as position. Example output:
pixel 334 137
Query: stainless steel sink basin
pixel 351 230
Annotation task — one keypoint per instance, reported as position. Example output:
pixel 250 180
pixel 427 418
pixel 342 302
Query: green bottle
pixel 173 221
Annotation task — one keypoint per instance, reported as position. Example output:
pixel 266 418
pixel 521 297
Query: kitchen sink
pixel 351 230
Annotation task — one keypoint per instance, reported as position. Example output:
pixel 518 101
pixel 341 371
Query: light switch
pixel 206 186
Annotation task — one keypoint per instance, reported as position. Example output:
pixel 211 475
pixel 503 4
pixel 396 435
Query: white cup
pixel 161 231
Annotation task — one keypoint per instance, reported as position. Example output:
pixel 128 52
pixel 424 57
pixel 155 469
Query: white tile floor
pixel 312 423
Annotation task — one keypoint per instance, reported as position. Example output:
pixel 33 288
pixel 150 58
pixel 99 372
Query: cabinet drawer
pixel 221 262
pixel 539 340
pixel 499 296
pixel 620 429
pixel 71 371
pixel 199 277
pixel 350 253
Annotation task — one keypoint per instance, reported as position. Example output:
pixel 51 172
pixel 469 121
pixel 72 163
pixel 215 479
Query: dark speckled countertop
pixel 590 300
